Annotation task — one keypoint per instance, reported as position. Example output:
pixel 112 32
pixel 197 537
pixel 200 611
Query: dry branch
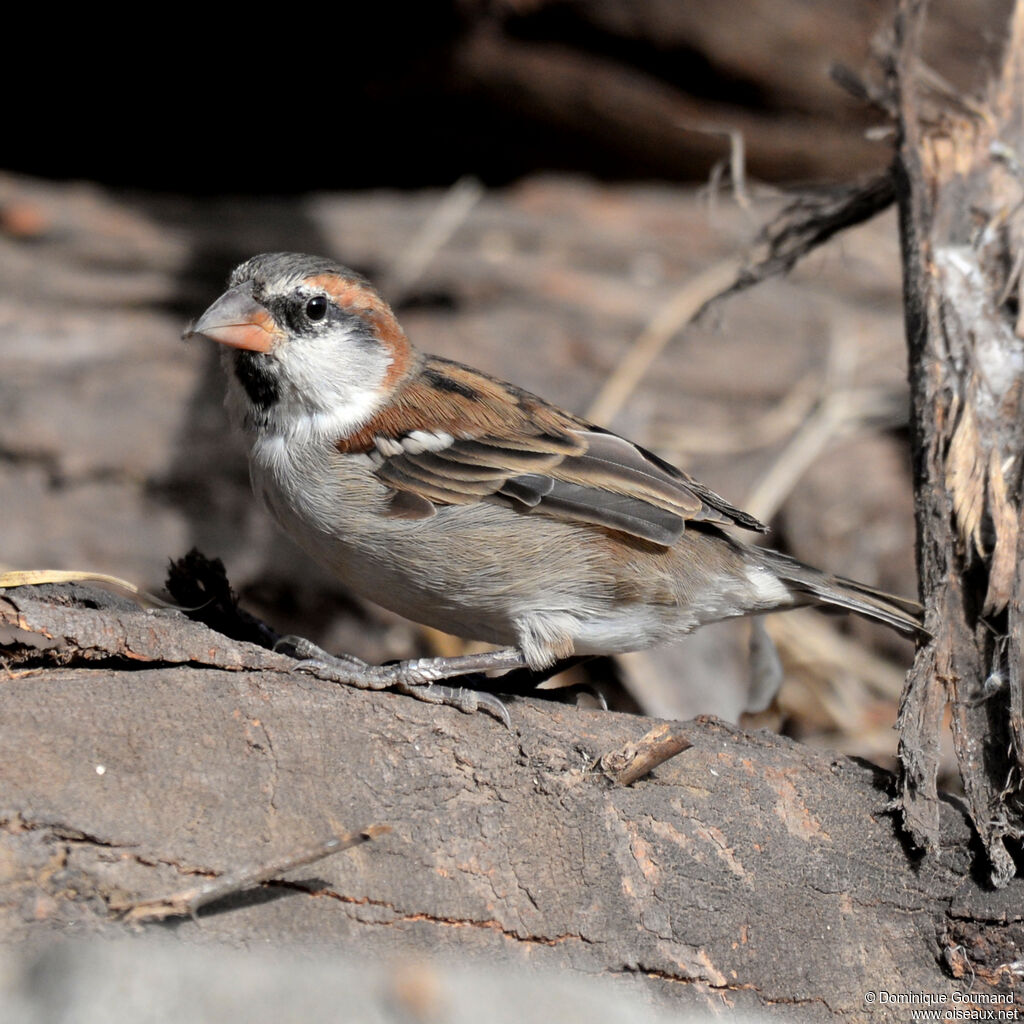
pixel 803 225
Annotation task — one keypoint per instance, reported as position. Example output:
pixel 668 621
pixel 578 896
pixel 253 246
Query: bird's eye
pixel 316 308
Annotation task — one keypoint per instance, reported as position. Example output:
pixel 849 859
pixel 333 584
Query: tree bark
pixel 960 194
pixel 749 871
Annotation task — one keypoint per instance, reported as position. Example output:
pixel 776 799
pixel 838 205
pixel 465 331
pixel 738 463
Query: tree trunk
pixel 960 192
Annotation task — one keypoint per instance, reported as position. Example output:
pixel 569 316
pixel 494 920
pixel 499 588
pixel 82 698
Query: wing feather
pixel 493 442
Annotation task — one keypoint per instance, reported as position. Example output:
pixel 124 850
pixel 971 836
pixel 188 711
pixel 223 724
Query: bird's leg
pixel 417 677
pixel 525 680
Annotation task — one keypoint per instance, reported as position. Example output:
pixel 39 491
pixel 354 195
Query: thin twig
pixel 671 318
pixel 737 162
pixel 799 229
pixel 840 410
pixel 835 682
pixel 35 577
pixel 187 901
pixel 444 220
pixel 817 430
pixel 853 83
pixel 810 221
pixel 806 637
pixel 21 673
pixel 635 760
pixel 768 429
pixel 831 419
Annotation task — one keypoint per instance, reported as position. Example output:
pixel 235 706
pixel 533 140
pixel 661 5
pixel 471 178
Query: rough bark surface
pixel 746 872
pixel 961 193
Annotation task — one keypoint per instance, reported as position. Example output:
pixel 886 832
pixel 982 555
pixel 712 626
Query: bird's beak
pixel 238 320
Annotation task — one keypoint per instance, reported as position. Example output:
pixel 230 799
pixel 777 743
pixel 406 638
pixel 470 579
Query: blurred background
pixel 532 183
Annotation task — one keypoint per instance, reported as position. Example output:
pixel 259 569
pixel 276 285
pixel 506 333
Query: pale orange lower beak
pixel 238 320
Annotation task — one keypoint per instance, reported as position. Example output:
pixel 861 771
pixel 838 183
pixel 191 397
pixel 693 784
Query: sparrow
pixel 468 504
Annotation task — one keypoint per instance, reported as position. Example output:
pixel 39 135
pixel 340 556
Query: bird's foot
pixel 418 678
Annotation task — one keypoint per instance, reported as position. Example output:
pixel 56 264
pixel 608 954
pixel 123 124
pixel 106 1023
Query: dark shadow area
pixel 397 95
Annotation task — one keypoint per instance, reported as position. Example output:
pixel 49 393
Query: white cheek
pixel 303 425
pixel 328 388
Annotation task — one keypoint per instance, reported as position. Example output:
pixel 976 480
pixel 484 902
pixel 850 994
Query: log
pixel 144 754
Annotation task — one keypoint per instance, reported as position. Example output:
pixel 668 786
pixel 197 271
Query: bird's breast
pixel 468 569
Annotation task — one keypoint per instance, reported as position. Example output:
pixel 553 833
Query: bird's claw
pixel 415 678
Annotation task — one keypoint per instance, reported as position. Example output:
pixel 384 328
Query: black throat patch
pixel 258 379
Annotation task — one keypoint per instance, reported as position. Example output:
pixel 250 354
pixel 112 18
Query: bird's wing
pixel 466 437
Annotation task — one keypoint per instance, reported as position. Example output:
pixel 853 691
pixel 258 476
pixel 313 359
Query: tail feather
pixel 820 588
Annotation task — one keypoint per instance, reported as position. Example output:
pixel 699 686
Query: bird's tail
pixel 811 586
